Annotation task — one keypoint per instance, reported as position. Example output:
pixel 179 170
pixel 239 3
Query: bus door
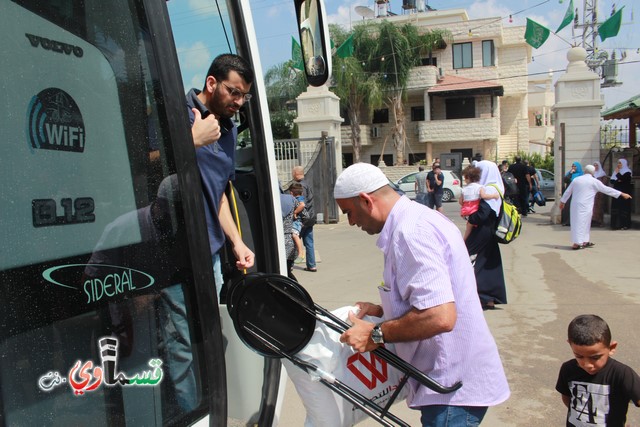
pixel 254 388
pixel 106 303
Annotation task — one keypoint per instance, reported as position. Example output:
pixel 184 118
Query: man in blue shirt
pixel 435 187
pixel 225 90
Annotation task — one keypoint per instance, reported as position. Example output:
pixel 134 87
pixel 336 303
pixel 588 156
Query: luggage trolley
pixel 276 317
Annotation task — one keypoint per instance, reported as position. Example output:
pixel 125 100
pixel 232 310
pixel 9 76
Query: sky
pixel 274 22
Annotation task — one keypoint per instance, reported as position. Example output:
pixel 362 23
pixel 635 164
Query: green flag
pixel 536 34
pixel 611 26
pixel 568 17
pixel 296 55
pixel 345 50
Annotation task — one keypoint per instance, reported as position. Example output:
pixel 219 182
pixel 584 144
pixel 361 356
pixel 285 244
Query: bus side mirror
pixel 314 40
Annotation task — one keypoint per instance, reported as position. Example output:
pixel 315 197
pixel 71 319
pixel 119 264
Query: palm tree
pixel 355 87
pixel 395 51
pixel 384 54
pixel 284 84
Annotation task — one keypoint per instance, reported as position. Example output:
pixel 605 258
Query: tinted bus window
pixel 96 281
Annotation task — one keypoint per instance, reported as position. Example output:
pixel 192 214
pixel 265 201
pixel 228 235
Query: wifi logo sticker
pixel 54 122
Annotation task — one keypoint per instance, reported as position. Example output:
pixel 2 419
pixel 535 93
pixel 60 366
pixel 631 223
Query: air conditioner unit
pixel 375 132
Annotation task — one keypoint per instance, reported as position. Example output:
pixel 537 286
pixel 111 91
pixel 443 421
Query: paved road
pixel 548 284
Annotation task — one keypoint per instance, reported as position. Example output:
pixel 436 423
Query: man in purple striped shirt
pixel 429 301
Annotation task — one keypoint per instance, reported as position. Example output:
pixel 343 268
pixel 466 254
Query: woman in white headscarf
pixel 482 244
pixel 600 202
pixel 621 208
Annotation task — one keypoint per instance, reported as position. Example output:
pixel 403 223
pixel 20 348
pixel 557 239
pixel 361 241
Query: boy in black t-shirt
pixel 595 388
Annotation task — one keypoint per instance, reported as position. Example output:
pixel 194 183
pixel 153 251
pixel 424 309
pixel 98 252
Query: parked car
pixel 452 185
pixel 547 183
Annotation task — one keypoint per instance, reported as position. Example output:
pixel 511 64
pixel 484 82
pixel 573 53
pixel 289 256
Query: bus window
pixel 97 292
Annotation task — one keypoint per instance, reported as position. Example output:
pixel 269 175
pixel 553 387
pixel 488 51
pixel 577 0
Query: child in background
pixel 296 190
pixel 595 388
pixel 472 192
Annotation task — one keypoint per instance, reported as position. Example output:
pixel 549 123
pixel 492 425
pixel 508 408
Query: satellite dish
pixel 365 12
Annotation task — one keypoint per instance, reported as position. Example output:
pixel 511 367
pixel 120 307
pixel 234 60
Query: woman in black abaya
pixel 482 246
pixel 621 209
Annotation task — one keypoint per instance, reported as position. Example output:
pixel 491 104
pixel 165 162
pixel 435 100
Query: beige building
pixel 541 119
pixel 471 98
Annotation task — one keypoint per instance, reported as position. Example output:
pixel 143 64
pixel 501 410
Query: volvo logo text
pixel 54 45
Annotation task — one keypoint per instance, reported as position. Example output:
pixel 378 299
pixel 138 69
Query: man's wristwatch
pixel 376 334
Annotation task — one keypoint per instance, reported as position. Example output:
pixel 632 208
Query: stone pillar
pixel 427 107
pixel 319 111
pixel 577 110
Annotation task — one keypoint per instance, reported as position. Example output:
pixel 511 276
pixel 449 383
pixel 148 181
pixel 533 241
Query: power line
pixel 490 80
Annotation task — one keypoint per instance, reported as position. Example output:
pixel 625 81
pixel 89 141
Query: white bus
pixel 108 311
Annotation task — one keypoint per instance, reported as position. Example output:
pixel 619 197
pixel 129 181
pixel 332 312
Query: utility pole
pixel 598 61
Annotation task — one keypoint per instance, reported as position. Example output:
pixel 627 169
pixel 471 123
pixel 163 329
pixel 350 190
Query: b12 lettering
pixel 78 211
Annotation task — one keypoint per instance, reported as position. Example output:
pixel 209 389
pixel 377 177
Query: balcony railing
pixel 459 130
pixel 367 136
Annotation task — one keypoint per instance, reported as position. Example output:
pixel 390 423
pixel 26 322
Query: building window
pixel 460 108
pixel 387 159
pixel 462 55
pixel 429 61
pixel 488 56
pixel 417 114
pixel 380 116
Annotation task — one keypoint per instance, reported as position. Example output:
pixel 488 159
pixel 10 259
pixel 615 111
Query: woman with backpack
pixel 482 244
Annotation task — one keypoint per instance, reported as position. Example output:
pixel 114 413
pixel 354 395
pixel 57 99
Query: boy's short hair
pixel 589 329
pixel 296 189
pixel 472 172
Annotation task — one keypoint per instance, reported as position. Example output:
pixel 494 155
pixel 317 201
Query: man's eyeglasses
pixel 236 93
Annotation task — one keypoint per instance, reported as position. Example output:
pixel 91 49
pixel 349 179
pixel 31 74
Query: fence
pixel 317 157
pixel 293 152
pixel 614 136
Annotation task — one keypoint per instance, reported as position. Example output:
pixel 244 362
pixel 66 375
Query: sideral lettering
pixel 110 285
pixel 54 45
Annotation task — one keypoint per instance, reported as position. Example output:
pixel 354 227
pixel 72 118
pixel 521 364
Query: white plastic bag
pixel 364 372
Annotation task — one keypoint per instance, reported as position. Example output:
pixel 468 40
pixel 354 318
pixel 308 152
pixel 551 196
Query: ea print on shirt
pixel 589 404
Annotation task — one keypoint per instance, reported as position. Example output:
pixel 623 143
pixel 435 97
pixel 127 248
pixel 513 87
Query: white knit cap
pixel 590 169
pixel 359 178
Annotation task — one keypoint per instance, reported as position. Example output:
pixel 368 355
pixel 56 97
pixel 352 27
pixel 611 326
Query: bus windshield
pixel 99 313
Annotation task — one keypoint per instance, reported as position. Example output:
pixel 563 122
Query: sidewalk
pixel 547 283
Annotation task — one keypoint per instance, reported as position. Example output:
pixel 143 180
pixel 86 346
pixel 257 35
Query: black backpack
pixel 510 186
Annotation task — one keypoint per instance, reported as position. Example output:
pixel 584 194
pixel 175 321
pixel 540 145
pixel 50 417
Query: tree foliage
pixel 357 89
pixel 536 159
pixel 284 85
pixel 384 54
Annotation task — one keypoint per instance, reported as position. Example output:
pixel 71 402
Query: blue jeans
pixel 307 238
pixel 452 416
pixel 434 200
pixel 178 352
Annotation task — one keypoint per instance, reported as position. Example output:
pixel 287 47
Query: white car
pixel 452 185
